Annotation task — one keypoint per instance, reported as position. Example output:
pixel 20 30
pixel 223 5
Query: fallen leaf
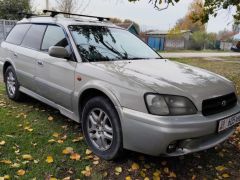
pixel 172 175
pixel 2 143
pixel 157 173
pixel 87 171
pixel 21 172
pixel 220 168
pixel 60 141
pixel 49 159
pixel 95 162
pixel 75 156
pixel 135 166
pixel 225 175
pixel 51 140
pixel 105 174
pixel 88 152
pixel 56 135
pixel 50 118
pixel 27 157
pixel 68 150
pixel 128 178
pixel 118 170
pixel 77 139
pixel 6 161
pixel 146 178
pixel 28 128
pixel 15 165
pixel 166 170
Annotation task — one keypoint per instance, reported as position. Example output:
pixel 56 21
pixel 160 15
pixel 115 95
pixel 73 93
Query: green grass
pixel 35 143
pixel 15 117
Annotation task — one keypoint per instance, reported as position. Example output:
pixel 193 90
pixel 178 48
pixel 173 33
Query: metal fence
pixel 5 28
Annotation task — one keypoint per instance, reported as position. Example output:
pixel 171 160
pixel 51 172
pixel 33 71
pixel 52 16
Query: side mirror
pixel 58 52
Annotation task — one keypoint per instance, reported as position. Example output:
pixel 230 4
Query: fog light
pixel 172 147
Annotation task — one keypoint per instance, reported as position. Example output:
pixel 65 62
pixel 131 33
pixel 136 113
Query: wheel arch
pixel 5 66
pixel 91 92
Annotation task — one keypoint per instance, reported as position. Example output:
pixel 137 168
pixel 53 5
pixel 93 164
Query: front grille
pixel 218 104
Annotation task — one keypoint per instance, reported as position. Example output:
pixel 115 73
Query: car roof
pixel 67 21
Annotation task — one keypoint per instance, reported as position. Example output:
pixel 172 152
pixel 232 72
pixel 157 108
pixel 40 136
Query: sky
pixel 144 14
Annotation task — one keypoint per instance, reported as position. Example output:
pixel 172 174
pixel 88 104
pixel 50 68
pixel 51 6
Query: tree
pixel 10 9
pixel 71 6
pixel 187 23
pixel 211 7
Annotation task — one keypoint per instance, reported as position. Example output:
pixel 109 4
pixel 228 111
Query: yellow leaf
pixel 51 140
pixel 118 169
pixel 60 141
pixel 172 175
pixel 2 143
pixel 68 150
pixel 95 162
pixel 52 178
pixel 6 161
pixel 220 168
pixel 88 152
pixel 87 171
pixel 128 178
pixel 21 172
pixel 77 139
pixel 67 178
pixel 135 166
pixel 156 178
pixel 166 170
pixel 157 173
pixel 105 174
pixel 27 157
pixel 146 178
pixel 75 156
pixel 225 175
pixel 28 129
pixel 143 174
pixel 50 118
pixel 49 159
pixel 6 177
pixel 56 135
pixel 15 165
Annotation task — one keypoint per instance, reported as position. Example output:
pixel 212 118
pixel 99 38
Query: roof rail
pixel 54 13
pixel 26 15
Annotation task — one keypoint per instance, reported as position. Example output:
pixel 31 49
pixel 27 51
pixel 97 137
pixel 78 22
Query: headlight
pixel 169 105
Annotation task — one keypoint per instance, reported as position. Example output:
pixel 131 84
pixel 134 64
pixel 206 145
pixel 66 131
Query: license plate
pixel 228 122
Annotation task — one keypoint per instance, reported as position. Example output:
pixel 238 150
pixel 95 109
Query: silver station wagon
pixel 122 92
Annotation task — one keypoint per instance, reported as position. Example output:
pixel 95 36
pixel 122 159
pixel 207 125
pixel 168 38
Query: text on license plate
pixel 228 122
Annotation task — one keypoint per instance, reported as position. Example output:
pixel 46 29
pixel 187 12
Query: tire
pixel 12 85
pixel 102 132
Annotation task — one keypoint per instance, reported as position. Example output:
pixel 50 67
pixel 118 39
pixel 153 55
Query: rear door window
pixel 17 33
pixel 54 36
pixel 34 36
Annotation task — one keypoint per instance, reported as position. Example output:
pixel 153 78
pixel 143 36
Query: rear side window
pixel 54 36
pixel 17 34
pixel 33 38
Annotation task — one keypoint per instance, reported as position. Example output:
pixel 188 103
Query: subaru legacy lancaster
pixel 122 92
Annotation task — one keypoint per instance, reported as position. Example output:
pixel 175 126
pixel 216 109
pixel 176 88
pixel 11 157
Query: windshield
pixel 98 43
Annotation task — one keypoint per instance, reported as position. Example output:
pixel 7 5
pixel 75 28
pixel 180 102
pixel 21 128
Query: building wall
pixel 226 45
pixel 174 44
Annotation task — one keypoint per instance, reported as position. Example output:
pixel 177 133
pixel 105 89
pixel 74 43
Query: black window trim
pixel 74 59
pixel 28 31
pixel 5 40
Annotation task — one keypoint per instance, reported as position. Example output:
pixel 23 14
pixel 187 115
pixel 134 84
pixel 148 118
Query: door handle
pixel 40 63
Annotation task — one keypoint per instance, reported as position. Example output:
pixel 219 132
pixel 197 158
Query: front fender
pixel 98 85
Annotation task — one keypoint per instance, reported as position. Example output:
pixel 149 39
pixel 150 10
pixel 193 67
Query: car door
pixel 23 63
pixel 55 76
pixel 27 55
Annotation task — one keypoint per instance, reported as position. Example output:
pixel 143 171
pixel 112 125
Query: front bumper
pixel 152 135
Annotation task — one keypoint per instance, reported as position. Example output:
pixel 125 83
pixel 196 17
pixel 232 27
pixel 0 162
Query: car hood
pixel 168 77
